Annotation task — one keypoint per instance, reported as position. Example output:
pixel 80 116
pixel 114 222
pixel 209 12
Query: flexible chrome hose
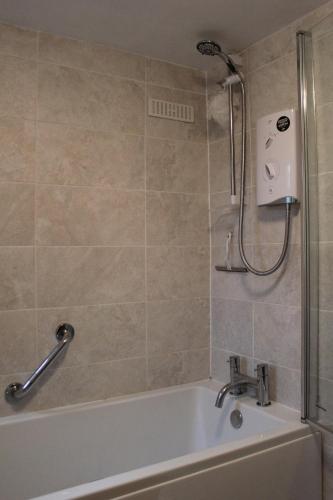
pixel 246 263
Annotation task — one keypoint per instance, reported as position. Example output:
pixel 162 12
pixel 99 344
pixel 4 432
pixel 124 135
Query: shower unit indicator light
pixel 277 158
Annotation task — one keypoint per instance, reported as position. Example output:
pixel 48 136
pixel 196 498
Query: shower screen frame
pixel 309 224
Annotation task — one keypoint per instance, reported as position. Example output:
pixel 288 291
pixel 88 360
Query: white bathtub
pixel 171 444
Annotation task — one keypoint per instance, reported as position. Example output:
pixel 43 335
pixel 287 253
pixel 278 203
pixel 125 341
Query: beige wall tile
pixel 326 276
pixel 325 206
pixel 218 114
pixel 283 286
pixel 89 216
pixel 177 368
pixel 16 214
pixel 18 87
pixel 325 392
pixel 323 48
pixel 273 87
pixel 90 56
pixel 97 102
pixel 325 344
pixel 324 137
pixel 177 166
pixel 92 382
pixel 196 365
pixel 165 370
pixel 225 218
pixel 177 219
pixel 81 157
pixel 18 341
pixel 277 335
pixel 17 149
pixel 269 223
pixel 314 17
pixel 324 27
pixel 232 326
pixel 219 166
pixel 171 129
pixel 177 325
pixel 174 76
pixel 177 272
pixel 16 277
pixel 102 333
pixel 69 276
pixel 328 472
pixel 16 41
pixel 271 48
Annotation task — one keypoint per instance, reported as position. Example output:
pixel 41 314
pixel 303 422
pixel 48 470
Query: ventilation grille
pixel 171 110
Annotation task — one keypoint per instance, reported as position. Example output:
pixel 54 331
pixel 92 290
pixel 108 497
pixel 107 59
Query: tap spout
pixel 248 381
pixel 222 394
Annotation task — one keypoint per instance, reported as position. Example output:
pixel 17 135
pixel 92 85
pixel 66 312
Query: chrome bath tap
pixel 239 383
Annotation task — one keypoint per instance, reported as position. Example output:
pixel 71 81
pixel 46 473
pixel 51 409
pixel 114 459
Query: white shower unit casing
pixel 278 158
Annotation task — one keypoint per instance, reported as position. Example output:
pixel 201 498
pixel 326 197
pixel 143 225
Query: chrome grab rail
pixel 16 391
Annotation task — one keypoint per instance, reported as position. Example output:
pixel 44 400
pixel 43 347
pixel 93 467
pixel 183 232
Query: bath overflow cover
pixel 236 419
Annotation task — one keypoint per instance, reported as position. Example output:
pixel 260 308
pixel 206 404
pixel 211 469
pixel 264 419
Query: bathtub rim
pixel 139 478
pixel 275 410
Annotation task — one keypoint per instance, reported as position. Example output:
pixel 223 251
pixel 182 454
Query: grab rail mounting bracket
pixel 16 391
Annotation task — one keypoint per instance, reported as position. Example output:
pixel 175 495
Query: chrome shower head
pixel 208 48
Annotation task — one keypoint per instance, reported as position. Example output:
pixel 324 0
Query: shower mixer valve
pixel 277 158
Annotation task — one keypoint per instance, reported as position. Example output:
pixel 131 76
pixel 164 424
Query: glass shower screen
pixel 315 74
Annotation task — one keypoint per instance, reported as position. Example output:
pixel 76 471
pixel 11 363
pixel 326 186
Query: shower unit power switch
pixel 277 158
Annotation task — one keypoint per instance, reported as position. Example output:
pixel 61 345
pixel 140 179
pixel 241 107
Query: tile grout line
pixel 146 232
pixel 143 83
pixel 110 75
pixel 35 270
pixel 103 305
pixel 108 132
pixel 106 187
pixel 253 188
pixel 108 361
pixel 275 365
pixel 99 44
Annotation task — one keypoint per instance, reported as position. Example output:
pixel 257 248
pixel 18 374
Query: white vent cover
pixel 171 110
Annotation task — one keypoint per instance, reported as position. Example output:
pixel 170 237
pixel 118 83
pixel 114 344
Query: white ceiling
pixel 165 29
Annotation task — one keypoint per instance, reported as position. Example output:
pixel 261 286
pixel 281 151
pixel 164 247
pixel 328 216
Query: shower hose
pixel 246 263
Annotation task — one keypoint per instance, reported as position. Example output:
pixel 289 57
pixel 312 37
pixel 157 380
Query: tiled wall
pixel 259 318
pixel 103 220
pixel 263 313
pixel 256 317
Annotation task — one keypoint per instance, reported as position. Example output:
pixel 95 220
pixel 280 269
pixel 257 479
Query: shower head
pixel 211 48
pixel 208 48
